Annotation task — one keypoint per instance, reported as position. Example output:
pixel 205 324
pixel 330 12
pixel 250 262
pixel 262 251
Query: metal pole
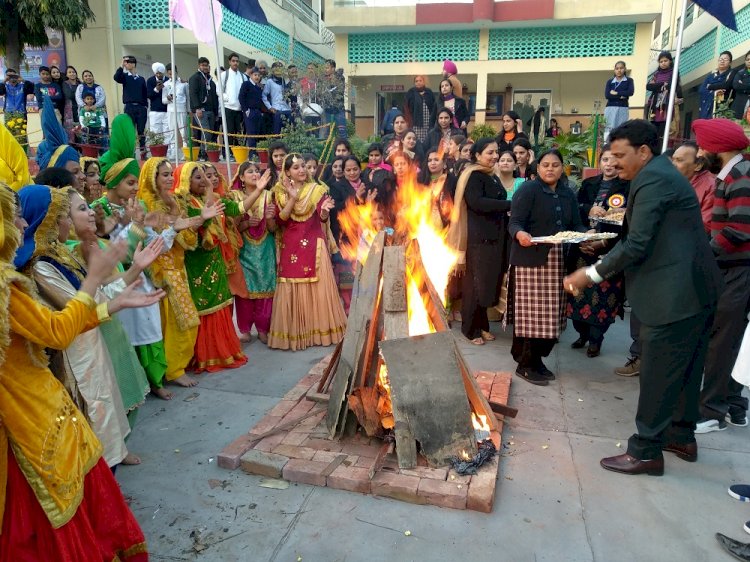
pixel 675 78
pixel 221 93
pixel 175 80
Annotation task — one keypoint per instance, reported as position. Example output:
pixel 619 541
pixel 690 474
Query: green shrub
pixel 481 131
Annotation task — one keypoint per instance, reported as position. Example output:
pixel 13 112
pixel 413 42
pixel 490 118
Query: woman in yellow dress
pixel 58 499
pixel 307 309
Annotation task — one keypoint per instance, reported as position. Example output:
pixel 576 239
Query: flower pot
pixel 158 150
pixel 90 150
pixel 213 155
pixel 589 172
pixel 240 153
pixel 263 154
pixel 191 157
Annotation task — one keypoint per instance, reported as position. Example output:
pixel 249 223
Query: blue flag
pixel 722 10
pixel 247 9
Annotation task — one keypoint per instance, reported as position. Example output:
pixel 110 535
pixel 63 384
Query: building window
pixel 665 38
pixel 689 13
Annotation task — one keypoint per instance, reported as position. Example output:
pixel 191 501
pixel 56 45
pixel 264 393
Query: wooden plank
pixel 428 395
pixel 385 450
pixel 478 402
pixel 286 425
pixel 406 446
pixel 365 360
pixel 395 311
pixel 364 297
pixel 435 310
pixel 503 409
pixel 363 401
pixel 325 379
pixel 333 465
pixel 318 397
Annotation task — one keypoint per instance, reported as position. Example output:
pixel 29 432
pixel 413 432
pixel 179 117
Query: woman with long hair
pixel 178 314
pixel 258 252
pixel 478 222
pixel 307 309
pixel 75 511
pixel 659 86
pixel 434 175
pixel 455 103
pixel 541 207
pixel 505 170
pixel 512 129
pixel 440 135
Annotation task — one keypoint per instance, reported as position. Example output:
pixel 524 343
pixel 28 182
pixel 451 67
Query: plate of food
pixel 573 237
pixel 615 216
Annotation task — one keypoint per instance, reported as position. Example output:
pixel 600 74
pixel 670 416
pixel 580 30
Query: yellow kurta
pixel 51 441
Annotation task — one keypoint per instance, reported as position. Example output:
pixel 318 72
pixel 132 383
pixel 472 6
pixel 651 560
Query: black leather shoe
pixel 626 464
pixel 545 372
pixel 687 452
pixel 740 550
pixel 532 376
pixel 579 343
pixel 593 350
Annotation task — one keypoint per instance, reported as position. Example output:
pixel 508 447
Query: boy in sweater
pixel 92 120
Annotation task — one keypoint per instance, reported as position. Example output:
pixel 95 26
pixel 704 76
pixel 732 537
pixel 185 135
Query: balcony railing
pixel 304 12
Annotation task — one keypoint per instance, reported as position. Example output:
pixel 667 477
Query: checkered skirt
pixel 539 299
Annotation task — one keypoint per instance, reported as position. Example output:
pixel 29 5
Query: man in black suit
pixel 673 283
pixel 204 102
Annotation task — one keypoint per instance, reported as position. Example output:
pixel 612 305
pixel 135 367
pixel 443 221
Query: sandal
pixel 477 341
pixel 487 336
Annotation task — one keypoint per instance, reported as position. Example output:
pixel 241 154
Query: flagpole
pixel 175 79
pixel 675 78
pixel 219 60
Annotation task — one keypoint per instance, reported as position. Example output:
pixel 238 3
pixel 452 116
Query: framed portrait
pixel 526 102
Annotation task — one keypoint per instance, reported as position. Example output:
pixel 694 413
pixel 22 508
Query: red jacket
pixel 704 183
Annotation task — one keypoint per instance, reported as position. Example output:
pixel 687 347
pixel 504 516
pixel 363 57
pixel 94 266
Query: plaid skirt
pixel 539 298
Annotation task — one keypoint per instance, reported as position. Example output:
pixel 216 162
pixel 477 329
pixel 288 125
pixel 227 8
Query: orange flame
pixel 480 422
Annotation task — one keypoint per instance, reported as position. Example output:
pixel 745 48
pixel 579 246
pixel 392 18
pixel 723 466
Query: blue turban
pixel 54 151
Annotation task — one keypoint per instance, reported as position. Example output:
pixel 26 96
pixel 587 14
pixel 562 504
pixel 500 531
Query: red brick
pixel 229 457
pixel 267 444
pixel 364 462
pixel 265 424
pixel 456 478
pixel 302 407
pixel 360 450
pixel 294 438
pixel 282 408
pixel 305 472
pixel 325 456
pixel 426 472
pixel 296 392
pixel 310 423
pixel 482 488
pixel 484 377
pixel 294 452
pixel 322 444
pixel 350 478
pixel 443 494
pixel 263 464
pixel 396 486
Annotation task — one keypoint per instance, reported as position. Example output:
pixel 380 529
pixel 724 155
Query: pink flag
pixel 195 15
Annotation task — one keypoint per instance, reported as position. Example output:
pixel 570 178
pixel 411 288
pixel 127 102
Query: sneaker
pixel 740 492
pixel 707 425
pixel 737 419
pixel 545 372
pixel 746 526
pixel 632 368
pixel 532 376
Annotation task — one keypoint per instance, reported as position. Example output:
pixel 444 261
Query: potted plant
pixel 262 149
pixel 572 148
pixel 155 142
pixel 16 123
pixel 212 151
pixel 481 131
pixel 240 153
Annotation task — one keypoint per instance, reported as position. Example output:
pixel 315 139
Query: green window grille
pixel 428 46
pixel 665 38
pixel 144 14
pixel 154 14
pixel 562 42
pixel 700 52
pixel 731 38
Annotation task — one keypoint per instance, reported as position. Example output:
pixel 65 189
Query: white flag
pixel 195 15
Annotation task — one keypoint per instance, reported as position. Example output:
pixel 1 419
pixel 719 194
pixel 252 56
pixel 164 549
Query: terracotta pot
pixel 158 150
pixel 213 155
pixel 263 153
pixel 90 150
pixel 240 153
pixel 191 157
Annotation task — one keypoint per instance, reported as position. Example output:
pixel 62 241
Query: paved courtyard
pixel 554 503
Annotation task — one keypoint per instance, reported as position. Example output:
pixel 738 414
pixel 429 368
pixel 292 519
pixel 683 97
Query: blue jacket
pixel 625 89
pixel 154 96
pixel 273 96
pixel 251 97
pixel 133 87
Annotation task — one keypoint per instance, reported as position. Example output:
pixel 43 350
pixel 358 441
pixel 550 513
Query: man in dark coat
pixel 204 102
pixel 673 284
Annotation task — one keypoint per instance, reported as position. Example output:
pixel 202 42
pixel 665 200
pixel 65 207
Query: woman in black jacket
pixel 659 86
pixel 457 105
pixel 476 232
pixel 512 130
pixel 420 107
pixel 541 207
pixel 741 86
pixel 440 135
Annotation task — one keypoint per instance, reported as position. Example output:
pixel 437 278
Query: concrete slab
pixel 554 501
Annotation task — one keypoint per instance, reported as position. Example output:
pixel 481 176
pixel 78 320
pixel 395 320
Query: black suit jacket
pixel 197 93
pixel 670 271
pixel 251 97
